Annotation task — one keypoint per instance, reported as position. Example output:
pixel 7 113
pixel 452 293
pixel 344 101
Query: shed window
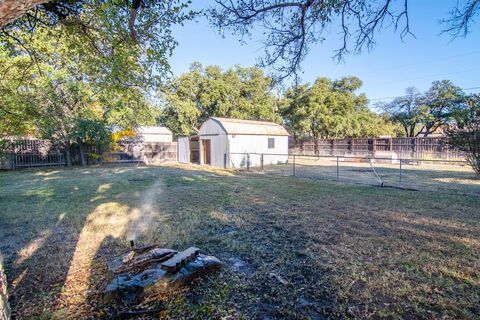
pixel 271 143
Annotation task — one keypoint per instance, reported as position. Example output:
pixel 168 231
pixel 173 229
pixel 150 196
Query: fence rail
pixel 38 160
pixel 420 147
pixel 122 157
pixel 41 153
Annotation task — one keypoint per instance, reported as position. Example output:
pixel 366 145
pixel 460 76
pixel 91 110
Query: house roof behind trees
pixel 153 130
pixel 250 127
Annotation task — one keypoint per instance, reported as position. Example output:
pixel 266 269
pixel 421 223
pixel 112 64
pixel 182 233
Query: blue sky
pixel 386 70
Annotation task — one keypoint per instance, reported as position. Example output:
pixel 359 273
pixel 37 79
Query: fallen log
pixel 142 262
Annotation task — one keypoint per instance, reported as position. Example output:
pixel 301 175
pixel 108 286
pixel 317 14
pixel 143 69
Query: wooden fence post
pixel 400 176
pixel 440 148
pixel 414 147
pixel 337 168
pixel 293 171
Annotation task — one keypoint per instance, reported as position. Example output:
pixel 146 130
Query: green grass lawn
pixel 292 247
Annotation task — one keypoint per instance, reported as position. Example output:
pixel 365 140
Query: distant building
pixel 154 134
pixel 234 143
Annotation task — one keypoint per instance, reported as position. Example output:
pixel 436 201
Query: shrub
pixel 465 133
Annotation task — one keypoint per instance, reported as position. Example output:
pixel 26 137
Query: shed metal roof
pixel 251 127
pixel 153 130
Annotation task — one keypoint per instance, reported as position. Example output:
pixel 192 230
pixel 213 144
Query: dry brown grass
pixel 293 248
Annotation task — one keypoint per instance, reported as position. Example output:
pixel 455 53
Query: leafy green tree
pixel 117 48
pixel 193 97
pixel 181 117
pixel 61 104
pixel 407 110
pixel 70 94
pixel 292 108
pixel 419 113
pixel 330 109
pixel 441 101
pixel 15 111
pixel 371 124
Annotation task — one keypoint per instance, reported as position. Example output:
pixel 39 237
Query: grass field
pixel 293 248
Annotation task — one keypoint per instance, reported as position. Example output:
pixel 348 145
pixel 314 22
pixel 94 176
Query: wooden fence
pixel 23 160
pixel 41 153
pixel 151 152
pixel 430 147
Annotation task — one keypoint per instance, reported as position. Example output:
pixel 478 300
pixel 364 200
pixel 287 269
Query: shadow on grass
pixel 54 221
pixel 44 213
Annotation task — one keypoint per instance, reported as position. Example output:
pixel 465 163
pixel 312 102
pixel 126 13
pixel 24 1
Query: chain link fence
pixel 450 176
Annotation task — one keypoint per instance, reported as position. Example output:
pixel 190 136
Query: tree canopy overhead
pixel 290 28
pixel 50 13
pixel 128 37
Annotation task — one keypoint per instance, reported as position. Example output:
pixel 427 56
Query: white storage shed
pixel 154 134
pixel 233 143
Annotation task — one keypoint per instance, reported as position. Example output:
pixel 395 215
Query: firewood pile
pixel 151 269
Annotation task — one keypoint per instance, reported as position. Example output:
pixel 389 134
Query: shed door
pixel 206 153
pixel 183 145
pixel 194 150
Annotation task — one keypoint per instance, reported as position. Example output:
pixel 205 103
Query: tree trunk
pixel 10 10
pixel 407 133
pixel 4 306
pixel 81 152
pixel 68 154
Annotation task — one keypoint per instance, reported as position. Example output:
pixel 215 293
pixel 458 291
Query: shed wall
pixel 211 130
pixel 218 147
pixel 241 145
